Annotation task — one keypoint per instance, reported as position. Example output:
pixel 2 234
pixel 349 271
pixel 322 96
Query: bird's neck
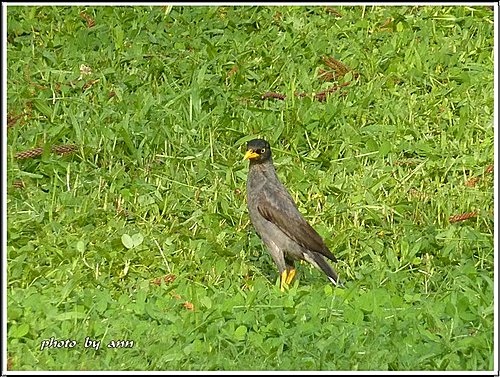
pixel 265 168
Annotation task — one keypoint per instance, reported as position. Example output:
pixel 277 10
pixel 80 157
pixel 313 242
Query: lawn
pixel 129 245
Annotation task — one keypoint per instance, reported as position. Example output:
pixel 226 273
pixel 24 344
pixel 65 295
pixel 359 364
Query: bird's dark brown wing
pixel 278 207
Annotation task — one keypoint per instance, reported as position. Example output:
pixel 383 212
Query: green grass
pixel 156 187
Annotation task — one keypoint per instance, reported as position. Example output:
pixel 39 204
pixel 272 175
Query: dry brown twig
pixel 337 66
pixel 333 11
pixel 19 184
pixel 169 278
pixel 462 217
pixel 472 182
pixel 12 119
pixel 273 95
pixel 321 96
pixel 339 69
pixel 35 152
pixel 89 20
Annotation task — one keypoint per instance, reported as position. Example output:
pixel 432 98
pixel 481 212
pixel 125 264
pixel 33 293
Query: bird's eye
pixel 263 150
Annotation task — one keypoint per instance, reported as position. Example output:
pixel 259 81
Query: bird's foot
pixel 286 278
pixel 290 276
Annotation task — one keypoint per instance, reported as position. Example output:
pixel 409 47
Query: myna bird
pixel 278 222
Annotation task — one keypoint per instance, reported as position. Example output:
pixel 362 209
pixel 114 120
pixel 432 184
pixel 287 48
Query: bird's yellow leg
pixel 283 279
pixel 290 276
pixel 286 278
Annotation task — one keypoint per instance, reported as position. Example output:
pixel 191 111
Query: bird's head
pixel 258 150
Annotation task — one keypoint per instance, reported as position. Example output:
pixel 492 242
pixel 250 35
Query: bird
pixel 277 221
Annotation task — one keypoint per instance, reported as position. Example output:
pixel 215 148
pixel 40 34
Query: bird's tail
pixel 327 269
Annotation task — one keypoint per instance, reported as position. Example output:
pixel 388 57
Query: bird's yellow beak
pixel 250 154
